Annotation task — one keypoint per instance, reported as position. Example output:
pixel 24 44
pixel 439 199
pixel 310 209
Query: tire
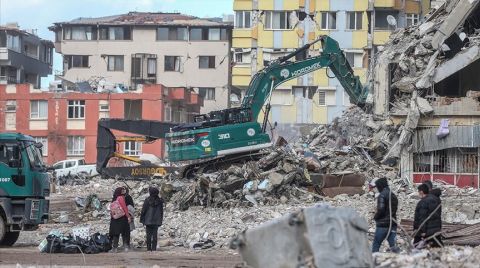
pixel 3 229
pixel 9 239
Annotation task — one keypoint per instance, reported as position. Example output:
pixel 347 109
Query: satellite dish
pixel 392 21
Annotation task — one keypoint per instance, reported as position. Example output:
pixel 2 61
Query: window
pixel 13 42
pixel 132 109
pixel 381 22
pixel 213 34
pixel 11 106
pixel 115 63
pixel 39 109
pixel 322 98
pixel 76 61
pixel 354 20
pixel 355 59
pixel 132 148
pixel 76 109
pixel 103 109
pixel 44 142
pixel 243 19
pixel 79 33
pixel 168 113
pixel 277 20
pixel 151 67
pixel 206 62
pixel 239 57
pixel 329 20
pixel 171 33
pixel 172 63
pixel 207 93
pixel 115 33
pixel 412 19
pixel 75 145
pixel 69 164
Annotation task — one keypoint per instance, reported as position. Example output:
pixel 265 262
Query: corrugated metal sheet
pixel 425 140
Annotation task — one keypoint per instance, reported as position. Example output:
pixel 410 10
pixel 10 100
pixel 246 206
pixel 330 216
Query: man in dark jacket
pixel 385 217
pixel 427 223
pixel 152 217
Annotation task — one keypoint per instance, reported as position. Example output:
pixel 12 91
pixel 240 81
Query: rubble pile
pixel 445 257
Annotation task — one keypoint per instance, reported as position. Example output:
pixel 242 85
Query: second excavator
pixel 226 135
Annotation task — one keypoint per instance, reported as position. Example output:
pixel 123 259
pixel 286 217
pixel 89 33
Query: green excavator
pixel 230 134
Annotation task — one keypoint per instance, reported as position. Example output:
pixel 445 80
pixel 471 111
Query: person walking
pixel 119 220
pixel 152 217
pixel 385 217
pixel 427 223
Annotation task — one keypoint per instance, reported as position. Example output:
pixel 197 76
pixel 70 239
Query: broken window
pixel 412 19
pixel 115 63
pixel 381 22
pixel 421 163
pixel 79 33
pixel 206 62
pixel 444 161
pixel 172 63
pixel 132 148
pixel 328 20
pixel 132 109
pixel 76 61
pixel 76 109
pixel 243 19
pixel 277 20
pixel 354 20
pixel 212 34
pixel 467 160
pixel 172 33
pixel 207 93
pixel 355 59
pixel 115 33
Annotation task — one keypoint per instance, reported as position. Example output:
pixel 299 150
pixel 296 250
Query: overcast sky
pixel 40 14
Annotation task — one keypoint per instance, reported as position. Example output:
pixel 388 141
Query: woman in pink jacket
pixel 120 226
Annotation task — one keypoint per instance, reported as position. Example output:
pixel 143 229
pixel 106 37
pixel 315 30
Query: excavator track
pixel 219 163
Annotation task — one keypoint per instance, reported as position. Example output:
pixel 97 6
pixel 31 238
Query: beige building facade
pixel 128 50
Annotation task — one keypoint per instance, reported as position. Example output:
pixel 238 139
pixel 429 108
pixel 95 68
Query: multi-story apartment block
pixel 24 57
pixel 268 29
pixel 171 49
pixel 66 122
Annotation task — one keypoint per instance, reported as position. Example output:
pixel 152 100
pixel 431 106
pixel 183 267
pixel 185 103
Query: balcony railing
pixel 7 80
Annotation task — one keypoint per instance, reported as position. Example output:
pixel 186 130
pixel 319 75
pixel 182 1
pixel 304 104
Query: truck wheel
pixel 3 229
pixel 9 239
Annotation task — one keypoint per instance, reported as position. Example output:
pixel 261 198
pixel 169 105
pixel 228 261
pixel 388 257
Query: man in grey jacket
pixel 152 217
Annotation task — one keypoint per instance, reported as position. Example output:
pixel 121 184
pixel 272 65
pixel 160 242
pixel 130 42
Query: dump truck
pixel 24 186
pixel 226 135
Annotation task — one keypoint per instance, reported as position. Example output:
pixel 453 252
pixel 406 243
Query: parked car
pixel 74 167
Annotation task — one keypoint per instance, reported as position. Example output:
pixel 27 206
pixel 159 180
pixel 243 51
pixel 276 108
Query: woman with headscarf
pixel 152 217
pixel 119 220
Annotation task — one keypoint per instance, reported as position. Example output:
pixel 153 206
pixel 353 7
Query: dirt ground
pixel 27 256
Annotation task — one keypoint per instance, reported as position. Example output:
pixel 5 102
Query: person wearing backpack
pixel 152 217
pixel 119 220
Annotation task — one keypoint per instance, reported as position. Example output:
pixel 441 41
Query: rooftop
pixel 144 18
pixel 14 28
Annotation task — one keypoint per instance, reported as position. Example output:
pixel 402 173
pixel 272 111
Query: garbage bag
pixel 54 244
pixel 443 130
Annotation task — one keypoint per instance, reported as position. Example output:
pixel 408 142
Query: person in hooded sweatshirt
pixel 152 217
pixel 427 223
pixel 385 217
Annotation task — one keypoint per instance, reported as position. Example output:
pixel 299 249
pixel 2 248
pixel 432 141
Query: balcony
pixel 410 6
pixel 178 93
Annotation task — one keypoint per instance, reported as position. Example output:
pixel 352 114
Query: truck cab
pixel 24 184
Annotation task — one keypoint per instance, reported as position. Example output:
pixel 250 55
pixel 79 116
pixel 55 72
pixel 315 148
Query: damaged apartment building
pixel 139 48
pixel 24 57
pixel 266 30
pixel 426 80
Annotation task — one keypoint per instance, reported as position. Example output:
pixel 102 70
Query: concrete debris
pixel 319 236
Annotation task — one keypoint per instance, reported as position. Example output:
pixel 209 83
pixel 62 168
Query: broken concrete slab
pixel 424 106
pixel 320 236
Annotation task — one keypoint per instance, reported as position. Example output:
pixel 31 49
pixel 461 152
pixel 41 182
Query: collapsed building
pixel 425 80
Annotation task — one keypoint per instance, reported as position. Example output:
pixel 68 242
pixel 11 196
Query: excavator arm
pixel 280 71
